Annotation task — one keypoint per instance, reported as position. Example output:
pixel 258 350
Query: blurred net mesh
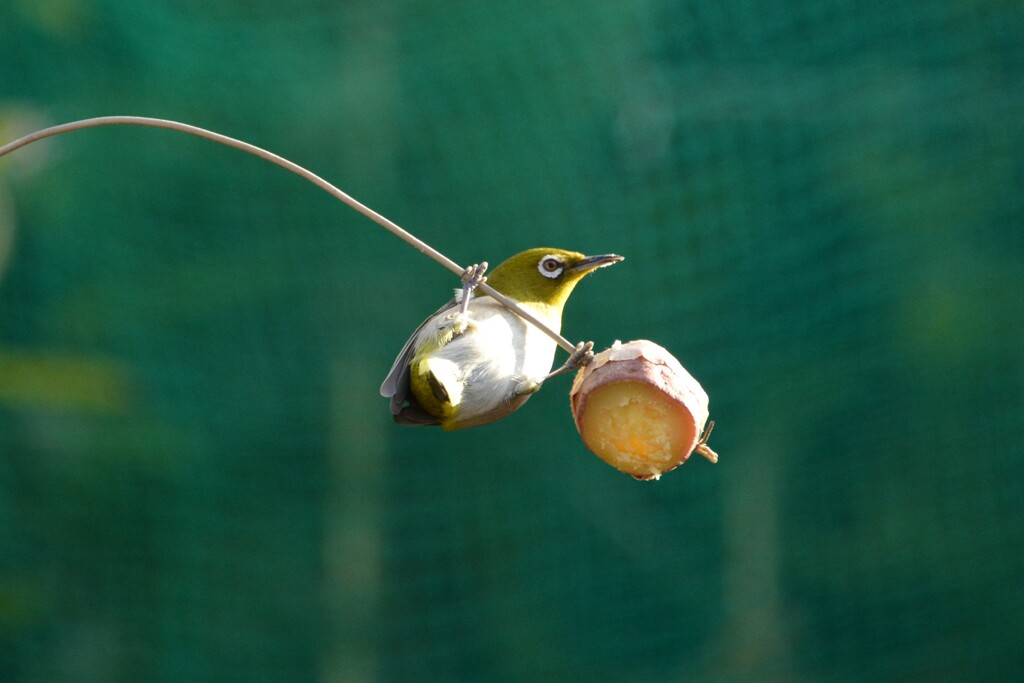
pixel 822 211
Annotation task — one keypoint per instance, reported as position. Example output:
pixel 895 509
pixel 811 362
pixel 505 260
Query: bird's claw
pixel 581 356
pixel 473 276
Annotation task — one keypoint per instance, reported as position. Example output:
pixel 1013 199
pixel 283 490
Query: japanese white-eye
pixel 475 361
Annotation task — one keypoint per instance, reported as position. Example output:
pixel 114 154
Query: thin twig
pixel 327 187
pixel 702 446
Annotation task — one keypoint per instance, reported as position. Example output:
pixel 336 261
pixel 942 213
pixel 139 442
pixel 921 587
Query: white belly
pixel 493 356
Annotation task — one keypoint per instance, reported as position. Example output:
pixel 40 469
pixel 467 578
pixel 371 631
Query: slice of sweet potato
pixel 639 410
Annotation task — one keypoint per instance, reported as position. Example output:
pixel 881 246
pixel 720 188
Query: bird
pixel 474 361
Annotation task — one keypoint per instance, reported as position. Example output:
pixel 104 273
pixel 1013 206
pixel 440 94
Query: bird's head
pixel 545 276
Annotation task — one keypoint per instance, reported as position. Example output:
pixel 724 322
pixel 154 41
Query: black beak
pixel 593 262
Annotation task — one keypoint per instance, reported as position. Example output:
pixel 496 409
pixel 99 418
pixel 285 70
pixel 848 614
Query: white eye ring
pixel 550 266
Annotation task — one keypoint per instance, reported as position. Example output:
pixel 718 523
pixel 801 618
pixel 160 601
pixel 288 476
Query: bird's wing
pixel 396 384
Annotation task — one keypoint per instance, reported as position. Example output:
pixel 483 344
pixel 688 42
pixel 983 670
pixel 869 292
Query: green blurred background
pixel 822 209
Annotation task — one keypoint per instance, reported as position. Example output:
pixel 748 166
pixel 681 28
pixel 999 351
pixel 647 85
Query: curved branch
pixel 327 187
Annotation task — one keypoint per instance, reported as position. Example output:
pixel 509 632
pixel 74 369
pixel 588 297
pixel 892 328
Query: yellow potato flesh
pixel 636 428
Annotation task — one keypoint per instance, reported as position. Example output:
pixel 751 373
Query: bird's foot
pixel 472 278
pixel 581 355
pixel 474 275
pixel 458 322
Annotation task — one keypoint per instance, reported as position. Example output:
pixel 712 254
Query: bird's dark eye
pixel 550 266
